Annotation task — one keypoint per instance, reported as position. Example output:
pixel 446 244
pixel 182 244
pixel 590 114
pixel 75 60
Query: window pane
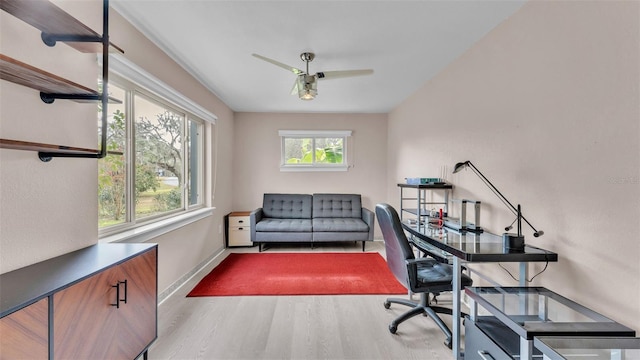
pixel 158 158
pixel 112 179
pixel 194 146
pixel 329 150
pixel 298 150
pixel 313 150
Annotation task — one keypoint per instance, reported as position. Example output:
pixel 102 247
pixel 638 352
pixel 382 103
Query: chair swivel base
pixel 421 308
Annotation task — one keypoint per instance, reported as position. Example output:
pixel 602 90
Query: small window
pixel 314 150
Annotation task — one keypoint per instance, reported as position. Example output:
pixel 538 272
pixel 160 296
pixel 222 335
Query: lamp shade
pixel 459 166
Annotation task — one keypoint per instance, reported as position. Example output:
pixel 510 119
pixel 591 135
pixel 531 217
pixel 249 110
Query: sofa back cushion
pixel 337 206
pixel 287 206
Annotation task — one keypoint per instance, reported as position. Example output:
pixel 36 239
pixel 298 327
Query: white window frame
pixel 345 134
pixel 146 228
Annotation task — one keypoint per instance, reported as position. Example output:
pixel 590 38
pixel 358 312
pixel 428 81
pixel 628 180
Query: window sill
pixel 313 168
pixel 147 232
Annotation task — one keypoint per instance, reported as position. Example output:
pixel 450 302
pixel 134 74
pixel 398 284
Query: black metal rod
pixel 520 222
pixel 502 197
pixel 52 39
pixel 46 156
pixel 50 97
pixel 105 78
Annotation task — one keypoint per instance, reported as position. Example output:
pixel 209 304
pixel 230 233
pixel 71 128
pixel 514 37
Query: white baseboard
pixel 186 277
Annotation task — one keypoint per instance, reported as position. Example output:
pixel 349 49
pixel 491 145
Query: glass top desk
pixel 471 247
pixel 517 314
pixel 592 348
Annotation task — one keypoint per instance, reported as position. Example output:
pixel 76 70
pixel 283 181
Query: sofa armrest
pixel 254 218
pixel 369 218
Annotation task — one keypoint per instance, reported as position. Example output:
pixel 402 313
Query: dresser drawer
pixel 240 236
pixel 235 221
pixel 479 346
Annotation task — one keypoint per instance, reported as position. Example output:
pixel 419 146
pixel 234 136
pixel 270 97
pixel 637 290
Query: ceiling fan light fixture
pixel 306 95
pixel 307 87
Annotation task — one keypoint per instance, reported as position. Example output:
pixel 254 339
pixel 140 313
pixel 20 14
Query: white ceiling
pixel 405 42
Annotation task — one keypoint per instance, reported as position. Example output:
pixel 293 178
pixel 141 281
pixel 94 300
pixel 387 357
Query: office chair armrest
pixel 438 257
pixel 412 267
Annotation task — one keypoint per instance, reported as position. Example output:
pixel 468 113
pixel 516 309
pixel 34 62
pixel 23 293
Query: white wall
pixel 256 157
pixel 48 209
pixel 547 107
pixel 181 250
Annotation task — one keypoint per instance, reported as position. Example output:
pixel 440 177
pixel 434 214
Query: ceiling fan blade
pixel 342 73
pixel 294 89
pixel 277 63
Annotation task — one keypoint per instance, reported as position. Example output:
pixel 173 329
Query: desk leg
pixel 457 279
pixel 524 274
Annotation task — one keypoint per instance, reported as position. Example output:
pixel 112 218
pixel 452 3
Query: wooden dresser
pixel 99 302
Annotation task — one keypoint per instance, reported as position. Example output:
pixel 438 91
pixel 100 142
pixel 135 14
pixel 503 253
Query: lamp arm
pixel 475 169
pixel 503 198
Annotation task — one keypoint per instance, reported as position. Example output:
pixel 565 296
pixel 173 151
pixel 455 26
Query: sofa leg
pixel 363 246
pixel 259 247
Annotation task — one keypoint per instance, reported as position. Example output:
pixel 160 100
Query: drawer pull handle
pixel 117 304
pixel 125 291
pixel 240 228
pixel 240 221
pixel 485 355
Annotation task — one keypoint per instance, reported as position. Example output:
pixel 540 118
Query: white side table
pixel 239 229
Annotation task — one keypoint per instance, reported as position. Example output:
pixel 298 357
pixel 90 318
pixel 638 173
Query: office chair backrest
pixel 395 242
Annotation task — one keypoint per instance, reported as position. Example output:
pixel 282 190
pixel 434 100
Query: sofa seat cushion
pixel 283 225
pixel 339 225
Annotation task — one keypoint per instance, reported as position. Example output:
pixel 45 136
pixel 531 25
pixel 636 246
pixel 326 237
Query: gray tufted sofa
pixel 311 218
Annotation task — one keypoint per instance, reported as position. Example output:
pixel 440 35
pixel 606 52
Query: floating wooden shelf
pixel 33 146
pixel 56 25
pixel 47 83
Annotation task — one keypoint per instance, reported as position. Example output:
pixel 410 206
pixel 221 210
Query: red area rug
pixel 299 274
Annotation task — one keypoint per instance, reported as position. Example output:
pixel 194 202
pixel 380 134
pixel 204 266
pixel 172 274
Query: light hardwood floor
pixel 292 327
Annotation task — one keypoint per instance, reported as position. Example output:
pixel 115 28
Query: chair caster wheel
pixel 447 343
pixel 393 328
pixel 387 304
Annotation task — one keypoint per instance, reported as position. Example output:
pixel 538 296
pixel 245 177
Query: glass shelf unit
pixel 413 202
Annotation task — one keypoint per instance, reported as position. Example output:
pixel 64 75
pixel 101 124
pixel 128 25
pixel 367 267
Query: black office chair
pixel 422 276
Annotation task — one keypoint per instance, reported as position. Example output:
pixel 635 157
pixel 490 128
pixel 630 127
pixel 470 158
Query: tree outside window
pixel 147 180
pixel 314 149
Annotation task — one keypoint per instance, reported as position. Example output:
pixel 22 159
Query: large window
pixel 314 150
pixel 154 167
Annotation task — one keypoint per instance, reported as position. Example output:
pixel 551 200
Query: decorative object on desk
pixel 511 241
pixel 423 181
pixel 299 274
pixel 462 223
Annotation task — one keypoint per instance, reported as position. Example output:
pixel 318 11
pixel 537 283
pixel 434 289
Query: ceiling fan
pixel 306 85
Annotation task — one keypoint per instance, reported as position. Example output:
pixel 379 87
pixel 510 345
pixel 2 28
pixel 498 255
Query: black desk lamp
pixel 510 240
